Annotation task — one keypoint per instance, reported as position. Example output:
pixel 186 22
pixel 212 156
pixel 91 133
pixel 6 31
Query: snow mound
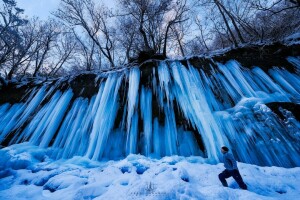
pixel 28 172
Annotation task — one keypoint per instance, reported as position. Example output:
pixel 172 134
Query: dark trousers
pixel 235 174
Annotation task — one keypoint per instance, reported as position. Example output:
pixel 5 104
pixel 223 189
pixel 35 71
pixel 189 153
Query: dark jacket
pixel 229 161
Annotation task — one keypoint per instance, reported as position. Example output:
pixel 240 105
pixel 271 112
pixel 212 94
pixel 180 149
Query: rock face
pixel 247 99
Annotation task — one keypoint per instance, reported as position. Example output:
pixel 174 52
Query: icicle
pixel 158 139
pixel 170 132
pixel 9 120
pixel 146 111
pixel 131 141
pixel 226 107
pixel 190 94
pixel 134 79
pixel 296 62
pixel 54 119
pixel 164 81
pixel 71 132
pixel 132 106
pixel 283 82
pixel 105 117
pixel 31 105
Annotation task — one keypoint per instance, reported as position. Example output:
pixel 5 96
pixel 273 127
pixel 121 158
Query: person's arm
pixel 232 161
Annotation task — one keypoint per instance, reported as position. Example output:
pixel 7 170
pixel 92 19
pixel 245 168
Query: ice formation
pixel 173 109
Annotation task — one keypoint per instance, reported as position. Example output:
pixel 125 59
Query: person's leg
pixel 225 174
pixel 238 178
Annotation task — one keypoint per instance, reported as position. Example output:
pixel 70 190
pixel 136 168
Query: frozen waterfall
pixel 171 109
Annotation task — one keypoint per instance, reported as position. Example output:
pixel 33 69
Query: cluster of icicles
pixel 226 107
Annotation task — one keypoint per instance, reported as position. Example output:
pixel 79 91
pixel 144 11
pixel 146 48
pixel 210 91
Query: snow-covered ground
pixel 28 172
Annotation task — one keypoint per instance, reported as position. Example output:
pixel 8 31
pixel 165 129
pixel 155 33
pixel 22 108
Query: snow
pixel 80 148
pixel 28 172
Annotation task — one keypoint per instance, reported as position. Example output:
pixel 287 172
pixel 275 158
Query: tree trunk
pixel 2 81
pixel 227 25
pixel 147 46
pixel 179 42
pixel 166 38
pixel 233 21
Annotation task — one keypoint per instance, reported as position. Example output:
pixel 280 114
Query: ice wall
pixel 172 109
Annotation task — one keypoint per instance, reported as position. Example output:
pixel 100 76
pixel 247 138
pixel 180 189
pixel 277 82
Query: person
pixel 231 169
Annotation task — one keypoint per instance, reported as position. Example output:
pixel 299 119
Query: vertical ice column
pixel 132 105
pixel 154 81
pixel 9 119
pixel 31 104
pixel 115 144
pixel 38 124
pixel 234 95
pixel 170 132
pixel 267 82
pixel 191 96
pixel 10 124
pixel 213 102
pixel 164 83
pixel 275 73
pixel 45 123
pixel 3 110
pixel 28 108
pixel 292 79
pixel 131 139
pixel 85 129
pixel 296 62
pixel 250 78
pixel 158 139
pixel 55 118
pixel 105 116
pixel 235 76
pixel 70 133
pixel 78 123
pixel 146 111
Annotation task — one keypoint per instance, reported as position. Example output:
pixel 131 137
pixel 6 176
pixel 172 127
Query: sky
pixel 43 8
pixel 40 8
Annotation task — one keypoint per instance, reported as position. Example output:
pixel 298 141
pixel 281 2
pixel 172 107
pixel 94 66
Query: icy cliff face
pixel 173 108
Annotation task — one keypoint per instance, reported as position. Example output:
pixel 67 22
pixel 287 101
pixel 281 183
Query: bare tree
pixel 87 51
pixel 155 21
pixel 93 20
pixel 202 38
pixel 25 50
pixel 64 49
pixel 49 34
pixel 276 6
pixel 11 19
pixel 128 37
pixel 148 15
pixel 178 15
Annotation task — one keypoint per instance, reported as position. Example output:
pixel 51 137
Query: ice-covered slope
pixel 27 172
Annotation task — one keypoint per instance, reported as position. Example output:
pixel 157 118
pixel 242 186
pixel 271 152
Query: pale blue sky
pixel 42 8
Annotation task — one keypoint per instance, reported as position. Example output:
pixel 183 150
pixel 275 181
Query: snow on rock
pixel 28 172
